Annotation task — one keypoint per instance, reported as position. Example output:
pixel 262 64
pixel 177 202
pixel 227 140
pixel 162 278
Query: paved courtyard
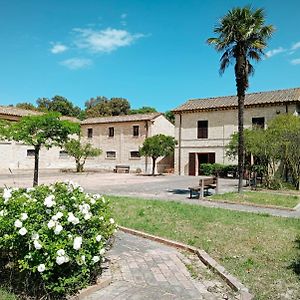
pixel 144 269
pixel 165 187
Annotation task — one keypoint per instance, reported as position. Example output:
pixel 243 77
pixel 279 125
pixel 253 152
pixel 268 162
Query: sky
pixel 151 52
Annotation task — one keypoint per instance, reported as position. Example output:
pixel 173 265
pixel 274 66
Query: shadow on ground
pixel 295 266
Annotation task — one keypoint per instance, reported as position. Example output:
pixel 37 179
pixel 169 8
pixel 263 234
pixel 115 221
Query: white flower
pixel 103 200
pixel 48 211
pixel 98 238
pixel 102 251
pixel 30 189
pixel 60 252
pixel 72 218
pixel 24 216
pixel 93 201
pixel 35 236
pixel 23 231
pixel 77 243
pixel 83 258
pixel 18 223
pixel 101 218
pixel 97 196
pixel 6 194
pixel 51 224
pixel 49 201
pixel 58 229
pixel 41 268
pixel 87 216
pixel 80 189
pixel 111 221
pixel 37 245
pixel 95 259
pixel 84 208
pixel 57 216
pixel 60 260
pixel 2 213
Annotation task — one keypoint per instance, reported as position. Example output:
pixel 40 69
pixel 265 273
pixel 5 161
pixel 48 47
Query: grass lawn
pixel 262 251
pixel 264 198
pixel 6 296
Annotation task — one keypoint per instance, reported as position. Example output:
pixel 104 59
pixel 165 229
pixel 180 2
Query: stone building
pixel 203 127
pixel 120 137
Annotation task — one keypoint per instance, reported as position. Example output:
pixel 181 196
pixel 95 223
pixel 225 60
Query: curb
pixel 251 204
pixel 232 281
pixel 104 281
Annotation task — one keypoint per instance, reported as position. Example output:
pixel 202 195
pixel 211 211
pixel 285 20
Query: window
pixel 30 152
pixel 202 130
pixel 90 133
pixel 136 130
pixel 111 154
pixel 63 154
pixel 111 131
pixel 258 123
pixel 135 154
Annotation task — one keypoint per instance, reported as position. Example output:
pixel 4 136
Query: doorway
pixel 196 159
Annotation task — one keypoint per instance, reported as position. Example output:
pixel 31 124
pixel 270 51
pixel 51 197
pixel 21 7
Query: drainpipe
pixel 179 144
pixel 146 157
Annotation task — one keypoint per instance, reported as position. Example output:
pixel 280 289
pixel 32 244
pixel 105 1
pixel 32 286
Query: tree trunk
pixel 153 165
pixel 241 74
pixel 36 165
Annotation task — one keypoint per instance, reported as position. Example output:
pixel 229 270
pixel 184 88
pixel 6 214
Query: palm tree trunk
pixel 36 165
pixel 241 75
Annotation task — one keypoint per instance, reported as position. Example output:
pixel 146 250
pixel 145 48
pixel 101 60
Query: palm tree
pixel 242 36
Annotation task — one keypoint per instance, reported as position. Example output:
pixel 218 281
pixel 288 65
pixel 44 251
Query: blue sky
pixel 152 52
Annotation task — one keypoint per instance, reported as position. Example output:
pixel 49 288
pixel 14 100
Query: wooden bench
pixel 204 185
pixel 121 169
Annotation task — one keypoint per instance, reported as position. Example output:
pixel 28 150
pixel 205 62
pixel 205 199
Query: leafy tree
pixel 94 101
pixel 170 116
pixel 276 150
pixel 105 107
pixel 143 110
pixel 242 36
pixel 81 152
pixel 26 105
pixel 156 146
pixel 39 131
pixel 58 104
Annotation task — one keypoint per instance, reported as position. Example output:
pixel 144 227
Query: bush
pixel 53 237
pixel 217 169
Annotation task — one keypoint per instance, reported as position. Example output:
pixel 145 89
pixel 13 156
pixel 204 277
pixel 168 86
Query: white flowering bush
pixel 56 235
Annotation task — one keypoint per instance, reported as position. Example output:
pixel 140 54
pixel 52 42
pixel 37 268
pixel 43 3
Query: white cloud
pixel 58 48
pixel 105 40
pixel 295 61
pixel 76 63
pixel 296 46
pixel 276 51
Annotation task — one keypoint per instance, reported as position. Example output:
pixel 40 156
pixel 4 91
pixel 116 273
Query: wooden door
pixel 192 164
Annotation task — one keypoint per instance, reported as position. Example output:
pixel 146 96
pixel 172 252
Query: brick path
pixel 144 269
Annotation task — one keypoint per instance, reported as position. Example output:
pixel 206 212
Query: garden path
pixel 144 269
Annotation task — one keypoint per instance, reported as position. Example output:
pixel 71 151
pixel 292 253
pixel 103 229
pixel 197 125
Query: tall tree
pixel 26 105
pixel 143 110
pixel 242 36
pixel 156 146
pixel 81 151
pixel 39 131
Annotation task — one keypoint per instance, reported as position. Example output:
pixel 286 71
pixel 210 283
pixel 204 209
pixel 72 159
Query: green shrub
pixel 217 169
pixel 53 237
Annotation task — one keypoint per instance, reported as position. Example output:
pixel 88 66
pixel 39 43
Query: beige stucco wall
pixel 221 124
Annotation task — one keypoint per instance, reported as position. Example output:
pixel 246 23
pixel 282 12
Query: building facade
pixel 203 127
pixel 118 137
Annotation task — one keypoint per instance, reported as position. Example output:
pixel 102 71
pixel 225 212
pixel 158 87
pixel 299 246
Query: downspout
pixel 179 144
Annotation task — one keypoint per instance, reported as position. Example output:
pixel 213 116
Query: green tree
pixel 170 116
pixel 39 131
pixel 156 146
pixel 242 36
pixel 94 101
pixel 143 110
pixel 81 151
pixel 58 104
pixel 26 105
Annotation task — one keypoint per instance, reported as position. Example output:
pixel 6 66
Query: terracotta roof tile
pixel 261 98
pixel 14 111
pixel 124 118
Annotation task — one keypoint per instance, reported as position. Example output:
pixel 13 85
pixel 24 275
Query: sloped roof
pixel 124 118
pixel 253 99
pixel 18 112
